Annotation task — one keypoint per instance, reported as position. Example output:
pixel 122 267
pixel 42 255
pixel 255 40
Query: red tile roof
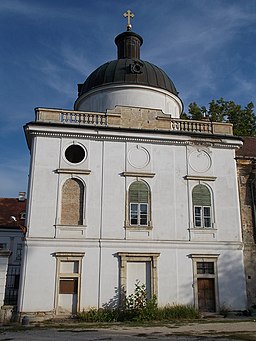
pixel 11 207
pixel 248 149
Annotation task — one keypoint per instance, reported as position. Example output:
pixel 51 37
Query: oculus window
pixel 75 153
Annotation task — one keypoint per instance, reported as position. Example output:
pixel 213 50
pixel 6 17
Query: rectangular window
pixel 207 216
pixel 68 286
pixel 134 214
pixel 202 216
pixel 198 216
pixel 19 252
pixel 205 268
pixel 139 214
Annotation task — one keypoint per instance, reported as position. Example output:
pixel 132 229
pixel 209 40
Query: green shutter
pixel 138 192
pixel 201 196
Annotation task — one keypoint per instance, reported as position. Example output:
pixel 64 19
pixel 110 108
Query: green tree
pixel 195 112
pixel 243 119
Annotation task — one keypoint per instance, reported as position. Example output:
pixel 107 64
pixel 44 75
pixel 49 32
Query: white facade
pixel 122 190
pixel 68 267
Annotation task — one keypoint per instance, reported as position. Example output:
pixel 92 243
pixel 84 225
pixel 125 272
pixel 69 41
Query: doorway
pixel 138 272
pixel 206 294
pixel 205 282
pixel 68 283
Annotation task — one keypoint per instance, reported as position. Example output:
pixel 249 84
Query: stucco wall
pixel 171 165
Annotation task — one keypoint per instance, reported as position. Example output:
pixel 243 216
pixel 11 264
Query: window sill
pixel 70 231
pixel 203 234
pixel 204 229
pixel 70 226
pixel 138 227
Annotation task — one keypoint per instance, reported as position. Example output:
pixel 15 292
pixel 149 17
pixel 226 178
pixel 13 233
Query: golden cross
pixel 128 15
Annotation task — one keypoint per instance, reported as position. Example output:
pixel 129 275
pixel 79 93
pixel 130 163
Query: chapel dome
pixel 128 71
pixel 129 81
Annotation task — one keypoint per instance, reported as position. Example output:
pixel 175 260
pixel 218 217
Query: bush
pixel 136 307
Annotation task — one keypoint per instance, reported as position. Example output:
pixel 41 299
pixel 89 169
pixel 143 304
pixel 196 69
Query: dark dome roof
pixel 128 68
pixel 128 71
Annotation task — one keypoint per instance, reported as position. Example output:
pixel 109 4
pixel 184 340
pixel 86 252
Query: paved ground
pixel 210 330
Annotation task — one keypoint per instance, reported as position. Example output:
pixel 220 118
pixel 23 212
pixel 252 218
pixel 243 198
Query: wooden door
pixel 206 294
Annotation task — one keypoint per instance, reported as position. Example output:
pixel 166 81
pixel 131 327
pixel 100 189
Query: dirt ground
pixel 205 329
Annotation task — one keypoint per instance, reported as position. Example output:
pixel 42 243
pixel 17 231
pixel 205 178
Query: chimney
pixel 22 196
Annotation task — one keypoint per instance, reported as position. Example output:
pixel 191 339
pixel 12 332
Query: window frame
pixel 139 224
pixel 199 220
pixel 139 214
pixel 203 217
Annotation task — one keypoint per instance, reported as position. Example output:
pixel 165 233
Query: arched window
pixel 139 204
pixel 72 202
pixel 201 198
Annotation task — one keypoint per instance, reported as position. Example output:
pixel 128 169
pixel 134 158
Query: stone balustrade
pixel 133 118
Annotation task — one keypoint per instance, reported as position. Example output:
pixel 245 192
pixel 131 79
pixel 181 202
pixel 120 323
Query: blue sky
pixel 48 46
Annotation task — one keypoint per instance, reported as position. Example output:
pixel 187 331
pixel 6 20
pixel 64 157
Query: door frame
pixel 205 258
pixel 68 257
pixel 125 257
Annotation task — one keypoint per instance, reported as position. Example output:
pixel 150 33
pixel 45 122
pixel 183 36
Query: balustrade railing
pixel 83 118
pixel 191 126
pixel 113 119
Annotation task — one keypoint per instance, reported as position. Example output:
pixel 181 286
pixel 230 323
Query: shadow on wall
pixel 231 281
pixel 116 300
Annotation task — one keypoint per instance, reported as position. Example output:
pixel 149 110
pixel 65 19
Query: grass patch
pixel 147 313
pixel 136 307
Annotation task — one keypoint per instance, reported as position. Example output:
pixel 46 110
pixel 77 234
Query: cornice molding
pixel 118 138
pixel 72 171
pixel 139 174
pixel 200 177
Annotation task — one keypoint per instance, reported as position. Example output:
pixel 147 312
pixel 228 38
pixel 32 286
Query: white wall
pixel 108 97
pixel 4 255
pixel 174 173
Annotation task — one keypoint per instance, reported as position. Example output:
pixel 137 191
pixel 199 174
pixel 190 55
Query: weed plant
pixel 137 307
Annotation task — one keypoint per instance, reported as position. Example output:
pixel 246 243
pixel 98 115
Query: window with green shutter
pixel 201 198
pixel 139 203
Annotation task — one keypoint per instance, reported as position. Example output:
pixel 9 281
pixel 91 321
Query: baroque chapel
pixel 122 190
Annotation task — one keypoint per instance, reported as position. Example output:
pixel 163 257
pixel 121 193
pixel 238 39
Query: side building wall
pixel 247 191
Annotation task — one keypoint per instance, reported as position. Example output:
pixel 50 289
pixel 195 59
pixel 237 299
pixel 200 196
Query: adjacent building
pixel 246 164
pixel 12 219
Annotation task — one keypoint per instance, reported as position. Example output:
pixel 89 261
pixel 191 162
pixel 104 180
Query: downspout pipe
pixel 253 191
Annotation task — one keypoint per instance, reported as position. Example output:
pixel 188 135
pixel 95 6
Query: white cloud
pixel 75 58
pixel 13 176
pixel 54 76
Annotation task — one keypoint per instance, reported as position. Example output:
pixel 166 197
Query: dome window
pixel 136 67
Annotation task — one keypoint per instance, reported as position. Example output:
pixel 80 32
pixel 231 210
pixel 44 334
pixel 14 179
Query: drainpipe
pixel 252 185
pixel 101 226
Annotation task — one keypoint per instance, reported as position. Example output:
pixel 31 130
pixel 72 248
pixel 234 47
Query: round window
pixel 75 153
